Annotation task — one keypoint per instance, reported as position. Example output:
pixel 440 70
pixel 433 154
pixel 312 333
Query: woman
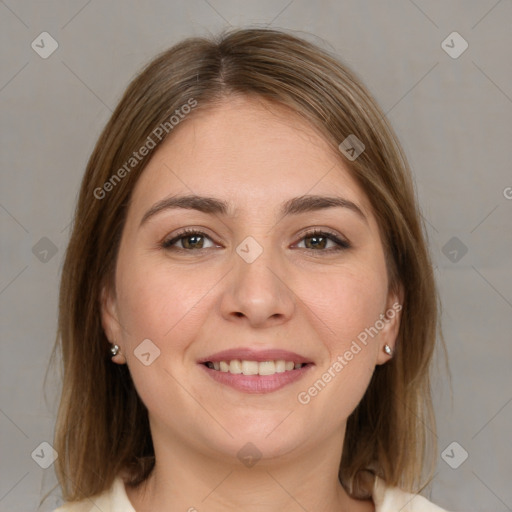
pixel 247 309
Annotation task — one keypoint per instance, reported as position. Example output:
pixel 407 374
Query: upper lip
pixel 249 354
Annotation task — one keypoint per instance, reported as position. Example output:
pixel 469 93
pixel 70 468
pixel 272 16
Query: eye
pixel 318 240
pixel 188 239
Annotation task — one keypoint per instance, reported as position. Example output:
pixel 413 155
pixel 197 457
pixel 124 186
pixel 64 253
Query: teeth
pixel 280 366
pixel 237 367
pixel 250 367
pixel 267 368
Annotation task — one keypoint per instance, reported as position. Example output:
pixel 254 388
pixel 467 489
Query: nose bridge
pixel 256 290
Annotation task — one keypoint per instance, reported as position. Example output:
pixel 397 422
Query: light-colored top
pixel 386 499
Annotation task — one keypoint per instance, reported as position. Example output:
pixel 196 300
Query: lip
pixel 256 383
pixel 249 354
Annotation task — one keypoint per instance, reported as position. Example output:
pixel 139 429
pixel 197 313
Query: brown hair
pixel 102 425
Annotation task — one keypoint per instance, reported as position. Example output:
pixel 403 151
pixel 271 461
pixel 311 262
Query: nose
pixel 257 293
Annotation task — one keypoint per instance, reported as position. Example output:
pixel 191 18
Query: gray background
pixel 453 116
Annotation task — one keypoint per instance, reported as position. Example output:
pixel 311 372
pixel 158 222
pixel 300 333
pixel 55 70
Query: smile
pixel 237 367
pixel 261 377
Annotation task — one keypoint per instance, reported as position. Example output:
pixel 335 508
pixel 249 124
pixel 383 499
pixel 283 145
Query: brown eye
pixel 188 240
pixel 192 242
pixel 319 241
pixel 316 242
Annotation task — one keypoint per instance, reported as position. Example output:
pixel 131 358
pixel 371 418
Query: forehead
pixel 250 152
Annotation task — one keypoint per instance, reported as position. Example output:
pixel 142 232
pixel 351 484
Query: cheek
pixel 158 301
pixel 167 305
pixel 350 306
pixel 348 302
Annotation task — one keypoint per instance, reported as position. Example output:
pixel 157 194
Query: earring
pixel 387 349
pixel 114 349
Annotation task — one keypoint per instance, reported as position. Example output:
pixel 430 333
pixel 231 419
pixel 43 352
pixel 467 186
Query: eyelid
pixel 167 242
pixel 341 241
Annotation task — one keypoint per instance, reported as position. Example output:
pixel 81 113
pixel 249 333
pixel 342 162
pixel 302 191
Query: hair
pixel 102 426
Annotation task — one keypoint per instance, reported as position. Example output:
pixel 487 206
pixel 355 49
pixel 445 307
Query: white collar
pixel 386 499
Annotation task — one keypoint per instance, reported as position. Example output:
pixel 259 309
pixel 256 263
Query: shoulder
pixel 110 500
pixel 390 499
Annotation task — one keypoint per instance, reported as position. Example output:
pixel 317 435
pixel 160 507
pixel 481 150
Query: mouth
pixel 251 371
pixel 247 367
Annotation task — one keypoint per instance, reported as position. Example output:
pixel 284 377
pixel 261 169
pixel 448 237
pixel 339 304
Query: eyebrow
pixel 214 206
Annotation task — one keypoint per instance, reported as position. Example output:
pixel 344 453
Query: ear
pixel 391 319
pixel 110 322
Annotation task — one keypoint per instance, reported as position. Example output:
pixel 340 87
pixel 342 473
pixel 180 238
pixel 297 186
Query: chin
pixel 262 438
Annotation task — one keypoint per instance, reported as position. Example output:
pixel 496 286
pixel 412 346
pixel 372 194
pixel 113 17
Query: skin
pixel 295 296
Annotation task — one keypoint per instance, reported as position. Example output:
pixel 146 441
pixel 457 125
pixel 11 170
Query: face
pixel 257 279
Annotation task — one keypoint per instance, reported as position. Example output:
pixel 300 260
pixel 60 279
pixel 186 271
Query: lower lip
pixel 257 383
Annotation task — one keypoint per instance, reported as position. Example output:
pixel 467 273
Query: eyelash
pixel 341 244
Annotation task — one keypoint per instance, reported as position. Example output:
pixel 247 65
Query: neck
pixel 187 479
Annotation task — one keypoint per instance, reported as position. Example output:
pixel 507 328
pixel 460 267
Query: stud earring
pixel 387 349
pixel 114 349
